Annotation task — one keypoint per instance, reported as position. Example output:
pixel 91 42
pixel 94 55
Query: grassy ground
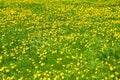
pixel 60 40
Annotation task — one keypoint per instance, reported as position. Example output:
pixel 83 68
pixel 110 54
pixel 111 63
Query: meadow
pixel 59 40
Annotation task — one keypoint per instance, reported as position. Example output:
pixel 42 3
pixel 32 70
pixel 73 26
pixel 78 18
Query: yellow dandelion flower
pixel 107 40
pixel 61 73
pixel 48 79
pixel 86 70
pixel 59 59
pixel 83 75
pixel 23 52
pixel 53 52
pixel 56 78
pixel 106 78
pixel 77 78
pixel 86 62
pixel 111 68
pixel 93 76
pixel 112 75
pixel 76 69
pixel 21 78
pixel 36 67
pixel 12 66
pixel 9 78
pixel 44 78
pixel 96 68
pixel 3 46
pixel 113 43
pixel 42 64
pixel 61 52
pixel 63 65
pixel 43 46
pixel 116 73
pixel 35 76
pixel 117 78
pixel 1 69
pixel 7 70
pixel 12 54
pixel 78 64
pixel 78 73
pixel 52 65
pixel 1 59
pixel 73 57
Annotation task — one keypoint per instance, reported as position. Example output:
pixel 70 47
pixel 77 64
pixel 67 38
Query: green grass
pixel 59 40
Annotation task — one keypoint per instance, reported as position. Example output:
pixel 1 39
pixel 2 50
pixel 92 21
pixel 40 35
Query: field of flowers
pixel 59 40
